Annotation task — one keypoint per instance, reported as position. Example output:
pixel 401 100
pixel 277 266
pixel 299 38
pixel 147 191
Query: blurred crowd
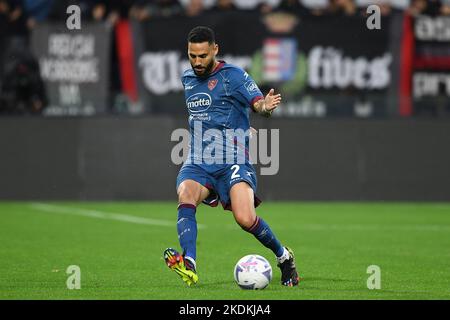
pixel 21 15
pixel 18 17
pixel 22 90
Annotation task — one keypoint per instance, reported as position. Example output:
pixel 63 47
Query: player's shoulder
pixel 187 77
pixel 235 72
pixel 234 69
pixel 188 73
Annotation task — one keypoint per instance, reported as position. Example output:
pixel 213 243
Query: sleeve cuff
pixel 254 100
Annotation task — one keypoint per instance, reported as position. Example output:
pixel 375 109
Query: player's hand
pixel 272 100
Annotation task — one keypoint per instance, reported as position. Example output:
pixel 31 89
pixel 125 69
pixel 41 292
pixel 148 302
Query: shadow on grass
pixel 216 283
pixel 318 279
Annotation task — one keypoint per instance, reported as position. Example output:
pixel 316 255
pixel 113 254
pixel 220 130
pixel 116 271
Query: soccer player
pixel 219 96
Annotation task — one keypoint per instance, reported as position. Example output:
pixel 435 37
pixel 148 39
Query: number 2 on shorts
pixel 235 172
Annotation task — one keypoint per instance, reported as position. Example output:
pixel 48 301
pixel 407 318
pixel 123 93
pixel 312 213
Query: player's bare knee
pixel 186 194
pixel 186 197
pixel 246 221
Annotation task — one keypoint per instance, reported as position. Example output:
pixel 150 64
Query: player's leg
pixel 190 194
pixel 242 197
pixel 242 205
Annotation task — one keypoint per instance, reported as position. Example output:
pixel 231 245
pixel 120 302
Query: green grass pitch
pixel 118 247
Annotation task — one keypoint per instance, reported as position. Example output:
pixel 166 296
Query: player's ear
pixel 216 49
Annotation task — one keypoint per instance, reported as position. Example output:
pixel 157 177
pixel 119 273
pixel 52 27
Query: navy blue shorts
pixel 219 179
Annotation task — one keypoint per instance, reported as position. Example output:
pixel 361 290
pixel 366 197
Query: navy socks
pixel 187 229
pixel 187 232
pixel 261 230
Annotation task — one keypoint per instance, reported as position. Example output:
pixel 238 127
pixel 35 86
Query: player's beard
pixel 207 71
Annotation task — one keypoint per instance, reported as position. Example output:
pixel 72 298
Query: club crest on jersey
pixel 212 84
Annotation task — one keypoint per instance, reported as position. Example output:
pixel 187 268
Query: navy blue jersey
pixel 221 101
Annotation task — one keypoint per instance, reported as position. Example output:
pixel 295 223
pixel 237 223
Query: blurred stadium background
pixel 87 115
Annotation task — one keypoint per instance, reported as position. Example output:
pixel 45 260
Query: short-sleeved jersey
pixel 221 101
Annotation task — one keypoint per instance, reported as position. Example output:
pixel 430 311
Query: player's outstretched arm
pixel 266 106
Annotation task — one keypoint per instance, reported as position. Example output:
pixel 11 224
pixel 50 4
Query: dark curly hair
pixel 201 34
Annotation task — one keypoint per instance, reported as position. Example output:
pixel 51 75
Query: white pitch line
pixel 104 215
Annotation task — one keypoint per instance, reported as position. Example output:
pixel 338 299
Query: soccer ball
pixel 253 272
